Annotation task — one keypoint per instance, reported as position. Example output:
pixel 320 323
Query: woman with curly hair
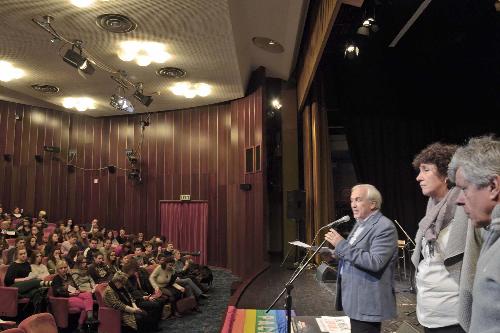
pixel 440 243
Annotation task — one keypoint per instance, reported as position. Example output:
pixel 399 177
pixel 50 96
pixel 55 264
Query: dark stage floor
pixel 314 298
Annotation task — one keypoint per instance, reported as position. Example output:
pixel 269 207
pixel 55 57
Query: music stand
pixel 409 241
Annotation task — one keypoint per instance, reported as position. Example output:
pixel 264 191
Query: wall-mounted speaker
pixel 245 187
pixel 39 158
pixel 7 157
pixel 111 169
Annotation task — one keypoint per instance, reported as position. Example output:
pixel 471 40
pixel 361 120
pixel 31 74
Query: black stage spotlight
pixel 139 95
pixel 351 51
pixel 77 60
pixel 145 100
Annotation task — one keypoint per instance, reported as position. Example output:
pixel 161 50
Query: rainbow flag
pixel 254 321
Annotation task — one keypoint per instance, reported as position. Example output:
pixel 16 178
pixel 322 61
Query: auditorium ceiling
pixel 210 40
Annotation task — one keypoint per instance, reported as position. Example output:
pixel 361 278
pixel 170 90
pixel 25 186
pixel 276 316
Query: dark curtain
pixel 185 224
pixel 383 147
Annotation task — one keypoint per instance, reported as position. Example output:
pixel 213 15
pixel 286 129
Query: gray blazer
pixel 365 289
pixel 486 291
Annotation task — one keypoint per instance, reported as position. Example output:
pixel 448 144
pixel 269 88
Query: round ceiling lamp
pixel 267 44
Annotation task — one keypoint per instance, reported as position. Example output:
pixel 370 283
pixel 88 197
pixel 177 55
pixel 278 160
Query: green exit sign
pixel 185 197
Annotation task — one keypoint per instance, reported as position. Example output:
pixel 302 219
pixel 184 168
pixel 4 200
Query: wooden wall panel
pixel 197 151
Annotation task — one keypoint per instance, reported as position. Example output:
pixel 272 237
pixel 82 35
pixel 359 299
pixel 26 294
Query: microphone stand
pixel 288 289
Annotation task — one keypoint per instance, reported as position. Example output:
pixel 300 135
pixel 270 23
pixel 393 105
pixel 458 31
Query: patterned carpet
pixel 213 309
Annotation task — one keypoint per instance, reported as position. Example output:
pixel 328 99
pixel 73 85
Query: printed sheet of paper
pixel 334 324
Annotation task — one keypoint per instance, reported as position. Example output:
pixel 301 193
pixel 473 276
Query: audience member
pixel 53 258
pixel 63 285
pixel 80 275
pixel 38 270
pixel 117 297
pixel 98 270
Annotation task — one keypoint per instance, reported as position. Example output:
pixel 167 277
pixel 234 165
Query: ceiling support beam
pixel 324 14
pixel 410 22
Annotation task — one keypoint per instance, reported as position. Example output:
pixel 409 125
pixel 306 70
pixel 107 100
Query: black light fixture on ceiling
pixel 139 95
pixel 351 51
pixel 368 25
pixel 77 60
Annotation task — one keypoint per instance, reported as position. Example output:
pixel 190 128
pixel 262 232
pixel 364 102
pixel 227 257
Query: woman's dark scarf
pixel 122 293
pixel 438 216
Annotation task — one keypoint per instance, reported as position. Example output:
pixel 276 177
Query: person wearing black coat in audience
pixel 18 276
pixel 143 294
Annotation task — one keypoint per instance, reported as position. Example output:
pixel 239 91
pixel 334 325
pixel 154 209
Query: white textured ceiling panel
pixel 202 35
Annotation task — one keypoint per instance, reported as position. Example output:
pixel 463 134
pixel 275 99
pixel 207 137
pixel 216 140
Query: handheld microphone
pixel 335 223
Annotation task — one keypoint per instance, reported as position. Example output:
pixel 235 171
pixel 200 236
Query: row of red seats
pixel 40 322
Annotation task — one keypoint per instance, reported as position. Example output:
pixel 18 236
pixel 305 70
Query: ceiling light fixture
pixel 8 72
pixel 144 53
pixel 85 64
pixel 82 3
pixel 139 95
pixel 190 90
pixel 118 99
pixel 267 44
pixel 77 60
pixel 79 103
pixel 368 25
pixel 351 51
pixel 120 103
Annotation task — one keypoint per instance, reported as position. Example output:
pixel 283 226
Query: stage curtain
pixel 185 224
pixel 318 180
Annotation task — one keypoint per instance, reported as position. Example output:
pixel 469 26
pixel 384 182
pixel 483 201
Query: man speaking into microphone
pixel 365 283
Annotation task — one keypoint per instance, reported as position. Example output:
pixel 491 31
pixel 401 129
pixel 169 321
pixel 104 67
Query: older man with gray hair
pixel 365 285
pixel 475 168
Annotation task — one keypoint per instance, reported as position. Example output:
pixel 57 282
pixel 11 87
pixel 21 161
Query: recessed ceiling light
pixel 45 88
pixel 267 44
pixel 8 72
pixel 116 23
pixel 190 90
pixel 82 3
pixel 79 103
pixel 171 72
pixel 143 52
